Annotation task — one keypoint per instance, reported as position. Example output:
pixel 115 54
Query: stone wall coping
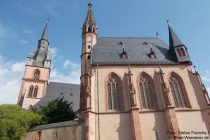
pixel 55 125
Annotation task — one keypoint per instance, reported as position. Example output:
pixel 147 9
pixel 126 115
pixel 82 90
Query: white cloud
pixel 73 75
pixel 27 31
pixel 23 42
pixel 53 51
pixel 18 67
pixel 206 76
pixel 4 31
pixel 70 65
pixel 10 80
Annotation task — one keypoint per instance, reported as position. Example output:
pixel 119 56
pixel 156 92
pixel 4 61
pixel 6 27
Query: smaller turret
pixel 176 48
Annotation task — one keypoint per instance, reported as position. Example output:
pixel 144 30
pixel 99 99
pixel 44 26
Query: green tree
pixel 58 110
pixel 15 121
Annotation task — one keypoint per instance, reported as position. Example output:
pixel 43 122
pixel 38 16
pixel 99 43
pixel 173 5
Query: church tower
pixel 89 39
pixel 36 74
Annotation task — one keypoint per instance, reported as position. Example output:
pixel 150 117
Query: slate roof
pixel 69 92
pixel 107 51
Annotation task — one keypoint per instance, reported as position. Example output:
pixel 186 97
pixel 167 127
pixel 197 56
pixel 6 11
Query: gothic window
pixel 178 52
pixel 35 91
pixel 182 52
pixel 30 91
pixel 36 74
pixel 114 94
pixel 147 94
pixel 178 91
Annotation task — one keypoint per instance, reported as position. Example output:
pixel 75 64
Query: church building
pixel 132 88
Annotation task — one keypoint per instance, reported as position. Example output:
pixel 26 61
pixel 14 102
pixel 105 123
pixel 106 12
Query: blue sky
pixel 22 23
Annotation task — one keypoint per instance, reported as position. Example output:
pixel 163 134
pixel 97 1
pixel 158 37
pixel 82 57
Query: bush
pixel 57 110
pixel 15 121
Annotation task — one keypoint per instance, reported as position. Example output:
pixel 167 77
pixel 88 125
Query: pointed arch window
pixel 147 93
pixel 178 91
pixel 182 52
pixel 30 93
pixel 178 52
pixel 35 91
pixel 114 94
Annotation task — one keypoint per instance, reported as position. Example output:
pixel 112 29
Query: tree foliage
pixel 58 110
pixel 14 121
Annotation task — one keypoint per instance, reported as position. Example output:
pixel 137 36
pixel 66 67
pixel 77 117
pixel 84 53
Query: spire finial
pixel 90 5
pixel 168 21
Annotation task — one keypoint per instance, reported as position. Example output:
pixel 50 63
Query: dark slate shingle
pixel 70 93
pixel 107 51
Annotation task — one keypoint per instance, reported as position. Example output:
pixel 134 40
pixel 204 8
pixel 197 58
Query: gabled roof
pixel 70 93
pixel 107 51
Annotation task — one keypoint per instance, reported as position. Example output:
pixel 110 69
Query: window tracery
pixel 114 95
pixel 147 94
pixel 178 91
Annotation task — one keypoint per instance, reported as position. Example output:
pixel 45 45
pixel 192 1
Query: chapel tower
pixel 36 74
pixel 89 39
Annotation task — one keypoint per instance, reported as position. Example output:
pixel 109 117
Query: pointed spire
pixel 90 18
pixel 89 25
pixel 45 32
pixel 173 38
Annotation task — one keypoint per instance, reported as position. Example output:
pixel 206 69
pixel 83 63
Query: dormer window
pixel 123 54
pixel 180 52
pixel 152 54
